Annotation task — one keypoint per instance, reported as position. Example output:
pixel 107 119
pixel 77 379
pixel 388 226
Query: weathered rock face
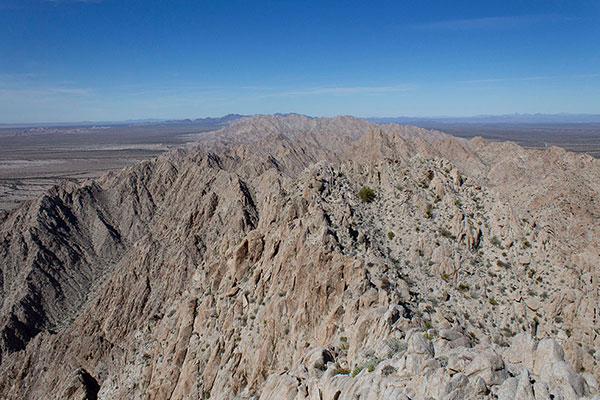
pixel 249 267
pixel 418 372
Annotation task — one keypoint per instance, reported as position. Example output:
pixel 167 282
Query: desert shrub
pixel 492 301
pixel 369 365
pixel 446 233
pixel 344 343
pixel 390 235
pixel 496 242
pixel 341 371
pixel 395 346
pixel 366 194
pixel 373 363
pixel 388 370
pixel 320 366
pixel 428 213
pixel 500 341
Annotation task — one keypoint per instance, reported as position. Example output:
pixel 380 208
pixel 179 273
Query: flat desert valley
pixel 34 158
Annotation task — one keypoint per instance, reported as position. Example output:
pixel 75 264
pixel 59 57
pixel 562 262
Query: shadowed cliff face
pixel 249 266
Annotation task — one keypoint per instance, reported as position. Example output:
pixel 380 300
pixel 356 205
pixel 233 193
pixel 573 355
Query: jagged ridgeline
pixel 286 257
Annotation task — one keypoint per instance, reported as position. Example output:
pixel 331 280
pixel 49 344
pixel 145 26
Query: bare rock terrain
pixel 298 258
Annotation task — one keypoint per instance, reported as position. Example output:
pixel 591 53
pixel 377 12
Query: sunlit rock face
pixel 248 266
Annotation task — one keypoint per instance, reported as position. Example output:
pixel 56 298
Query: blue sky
pixel 69 60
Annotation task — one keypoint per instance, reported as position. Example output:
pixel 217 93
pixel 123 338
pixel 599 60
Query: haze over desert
pixel 299 200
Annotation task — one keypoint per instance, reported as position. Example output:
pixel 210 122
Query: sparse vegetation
pixel 369 365
pixel 446 233
pixel 395 346
pixel 320 366
pixel 462 287
pixel 496 242
pixel 341 371
pixel 366 270
pixel 388 370
pixel 366 194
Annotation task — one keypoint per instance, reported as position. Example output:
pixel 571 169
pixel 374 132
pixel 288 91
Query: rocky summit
pixel 286 257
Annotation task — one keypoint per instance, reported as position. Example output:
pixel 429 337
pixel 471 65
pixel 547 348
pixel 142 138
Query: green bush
pixel 366 194
pixel 391 235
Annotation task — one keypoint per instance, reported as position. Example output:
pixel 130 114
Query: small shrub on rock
pixel 341 371
pixel 388 370
pixel 366 194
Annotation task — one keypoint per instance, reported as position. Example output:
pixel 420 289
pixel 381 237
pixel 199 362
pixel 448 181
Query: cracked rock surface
pixel 248 266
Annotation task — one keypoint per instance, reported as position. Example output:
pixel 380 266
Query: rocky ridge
pixel 250 267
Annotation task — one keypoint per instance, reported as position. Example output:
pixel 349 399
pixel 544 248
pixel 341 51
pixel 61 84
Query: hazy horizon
pixel 500 118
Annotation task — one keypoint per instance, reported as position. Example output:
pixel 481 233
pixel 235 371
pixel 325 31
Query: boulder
pixel 489 366
pixel 548 352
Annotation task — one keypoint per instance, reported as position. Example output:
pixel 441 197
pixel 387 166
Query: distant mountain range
pixel 148 121
pixel 208 120
pixel 506 118
pixel 478 119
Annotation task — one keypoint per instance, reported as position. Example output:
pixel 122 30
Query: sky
pixel 111 60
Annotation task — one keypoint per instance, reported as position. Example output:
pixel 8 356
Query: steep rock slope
pixel 249 266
